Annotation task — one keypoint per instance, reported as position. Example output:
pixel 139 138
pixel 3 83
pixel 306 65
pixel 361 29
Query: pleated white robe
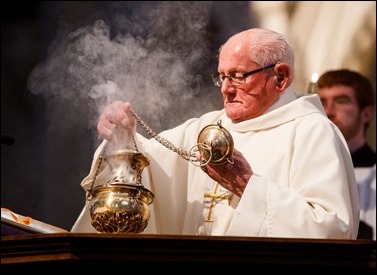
pixel 303 184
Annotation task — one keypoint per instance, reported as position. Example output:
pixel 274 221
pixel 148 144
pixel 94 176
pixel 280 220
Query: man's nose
pixel 330 109
pixel 226 85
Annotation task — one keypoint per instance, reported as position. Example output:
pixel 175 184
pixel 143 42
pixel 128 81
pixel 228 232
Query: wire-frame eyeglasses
pixel 237 79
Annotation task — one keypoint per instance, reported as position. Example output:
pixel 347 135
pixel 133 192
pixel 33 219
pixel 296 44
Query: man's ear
pixel 367 114
pixel 282 75
pixel 280 78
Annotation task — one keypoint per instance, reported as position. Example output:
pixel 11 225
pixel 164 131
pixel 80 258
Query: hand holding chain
pixel 215 144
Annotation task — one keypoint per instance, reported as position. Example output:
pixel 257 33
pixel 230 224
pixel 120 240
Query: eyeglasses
pixel 237 79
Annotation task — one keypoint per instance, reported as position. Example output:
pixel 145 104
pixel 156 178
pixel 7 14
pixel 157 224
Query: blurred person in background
pixel 349 102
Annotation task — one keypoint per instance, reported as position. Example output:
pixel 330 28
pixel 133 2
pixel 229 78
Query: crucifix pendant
pixel 215 197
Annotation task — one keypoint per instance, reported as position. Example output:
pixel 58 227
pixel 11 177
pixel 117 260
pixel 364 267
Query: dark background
pixel 49 136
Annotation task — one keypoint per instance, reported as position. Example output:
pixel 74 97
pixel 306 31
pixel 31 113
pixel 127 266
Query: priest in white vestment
pixel 296 179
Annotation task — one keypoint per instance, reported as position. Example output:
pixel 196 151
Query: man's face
pixel 249 100
pixel 341 107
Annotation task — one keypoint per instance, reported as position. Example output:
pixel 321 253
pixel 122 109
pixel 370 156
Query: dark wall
pixel 49 68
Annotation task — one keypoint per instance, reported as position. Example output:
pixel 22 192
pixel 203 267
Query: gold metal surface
pixel 219 141
pixel 121 205
pixel 120 208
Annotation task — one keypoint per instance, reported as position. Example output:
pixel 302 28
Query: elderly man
pixel 290 173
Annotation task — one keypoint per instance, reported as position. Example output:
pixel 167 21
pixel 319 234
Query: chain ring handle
pixel 195 149
pixel 219 141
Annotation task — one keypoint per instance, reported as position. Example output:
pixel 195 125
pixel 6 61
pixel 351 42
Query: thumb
pixel 129 120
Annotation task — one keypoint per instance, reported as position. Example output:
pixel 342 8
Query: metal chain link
pixel 184 154
pixel 89 195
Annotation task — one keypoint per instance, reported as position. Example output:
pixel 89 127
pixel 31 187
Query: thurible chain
pixel 184 154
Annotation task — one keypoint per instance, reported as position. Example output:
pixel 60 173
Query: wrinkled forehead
pixel 234 54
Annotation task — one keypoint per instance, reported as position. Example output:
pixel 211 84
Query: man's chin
pixel 233 117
